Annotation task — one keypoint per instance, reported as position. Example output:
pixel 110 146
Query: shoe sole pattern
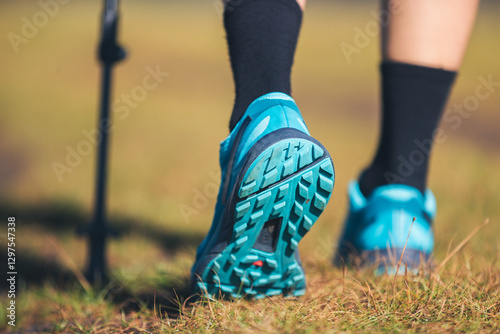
pixel 291 181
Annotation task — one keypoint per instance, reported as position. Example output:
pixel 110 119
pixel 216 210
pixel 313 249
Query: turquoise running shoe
pixel 276 181
pixel 377 228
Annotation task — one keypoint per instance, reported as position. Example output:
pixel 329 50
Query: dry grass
pixel 460 298
pixel 49 96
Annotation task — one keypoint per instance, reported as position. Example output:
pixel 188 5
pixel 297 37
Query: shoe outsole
pixel 386 261
pixel 289 183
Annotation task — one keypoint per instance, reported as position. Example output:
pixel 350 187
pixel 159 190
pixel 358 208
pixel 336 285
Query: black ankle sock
pixel 413 98
pixel 262 36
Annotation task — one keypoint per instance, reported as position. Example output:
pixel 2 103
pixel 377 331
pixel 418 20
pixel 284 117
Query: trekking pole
pixel 109 53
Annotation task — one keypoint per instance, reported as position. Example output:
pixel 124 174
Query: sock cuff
pixel 418 72
pixel 233 5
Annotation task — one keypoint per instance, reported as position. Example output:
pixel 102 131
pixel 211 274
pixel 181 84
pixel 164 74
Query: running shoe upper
pixel 383 221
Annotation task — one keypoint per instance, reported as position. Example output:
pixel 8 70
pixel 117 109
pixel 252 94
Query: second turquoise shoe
pixel 276 181
pixel 377 228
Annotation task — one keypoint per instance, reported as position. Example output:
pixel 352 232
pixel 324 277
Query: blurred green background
pixel 164 152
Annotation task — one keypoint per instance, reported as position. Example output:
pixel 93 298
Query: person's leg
pixel 261 36
pixel 422 48
pixel 428 33
pixel 276 179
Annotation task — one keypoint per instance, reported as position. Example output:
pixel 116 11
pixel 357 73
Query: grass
pixel 49 98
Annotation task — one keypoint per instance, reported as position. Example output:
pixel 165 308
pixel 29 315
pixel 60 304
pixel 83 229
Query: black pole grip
pixel 109 50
